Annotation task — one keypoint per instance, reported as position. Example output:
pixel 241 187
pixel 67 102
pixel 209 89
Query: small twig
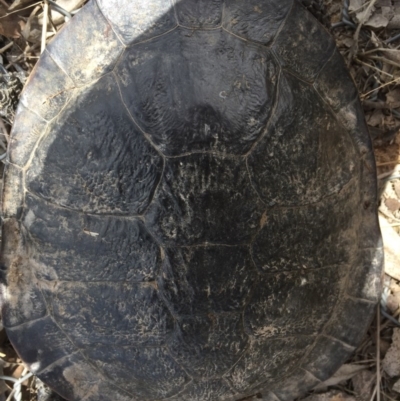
pixel 364 20
pixel 373 67
pixel 44 28
pixel 378 353
pixel 4 130
pixel 388 163
pixel 6 47
pixel 380 87
pixel 4 3
pixel 383 59
pixel 21 9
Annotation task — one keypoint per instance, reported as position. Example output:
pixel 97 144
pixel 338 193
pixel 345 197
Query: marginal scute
pixel 40 343
pixel 49 88
pixel 293 303
pixel 101 163
pixel 139 20
pixel 365 278
pixel 76 379
pixel 207 279
pixel 337 96
pixel 223 109
pixel 305 154
pixel 309 237
pixel 205 390
pixel 199 13
pixel 140 377
pixel 326 356
pixel 265 361
pixel 71 246
pixel 110 313
pixel 239 18
pixel 208 346
pixel 77 57
pixel 13 191
pixel 296 385
pixel 27 130
pixel 197 199
pixel 25 302
pixel 295 44
pixel 341 326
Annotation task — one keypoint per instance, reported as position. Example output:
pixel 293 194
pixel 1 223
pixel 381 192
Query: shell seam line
pixel 348 346
pixel 173 6
pixel 35 112
pixel 59 65
pixel 272 115
pixel 94 367
pixel 363 300
pixel 110 24
pixel 122 216
pixel 281 26
pixel 207 152
pixel 313 376
pixel 153 38
pixel 171 354
pixel 155 191
pixel 145 135
pixel 324 65
pixel 195 29
pixel 17 326
pixel 56 362
pixel 334 115
pixel 239 37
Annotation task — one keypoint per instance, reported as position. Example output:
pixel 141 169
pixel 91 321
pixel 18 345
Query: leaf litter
pixel 367 33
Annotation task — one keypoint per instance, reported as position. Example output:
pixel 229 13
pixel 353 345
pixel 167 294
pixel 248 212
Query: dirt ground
pixel 367 33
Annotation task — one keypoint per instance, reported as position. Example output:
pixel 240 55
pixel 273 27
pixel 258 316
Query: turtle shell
pixel 189 205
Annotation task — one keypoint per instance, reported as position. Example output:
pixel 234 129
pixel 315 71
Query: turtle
pixel 189 211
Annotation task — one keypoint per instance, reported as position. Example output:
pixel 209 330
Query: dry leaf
pixel 391 244
pixel 396 386
pixel 397 188
pixel 17 4
pixel 392 204
pixel 392 54
pixel 376 118
pixel 393 97
pixel 346 372
pixel 377 21
pixel 363 384
pixel 391 361
pixel 330 396
pixel 10 25
pixel 393 302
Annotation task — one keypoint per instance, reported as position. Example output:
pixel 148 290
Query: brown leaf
pixel 391 361
pixel 344 373
pixel 391 243
pixel 393 302
pixel 397 188
pixel 393 98
pixel 330 396
pixel 363 384
pixel 392 54
pixel 396 386
pixel 17 4
pixel 10 24
pixel 392 204
pixel 377 21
